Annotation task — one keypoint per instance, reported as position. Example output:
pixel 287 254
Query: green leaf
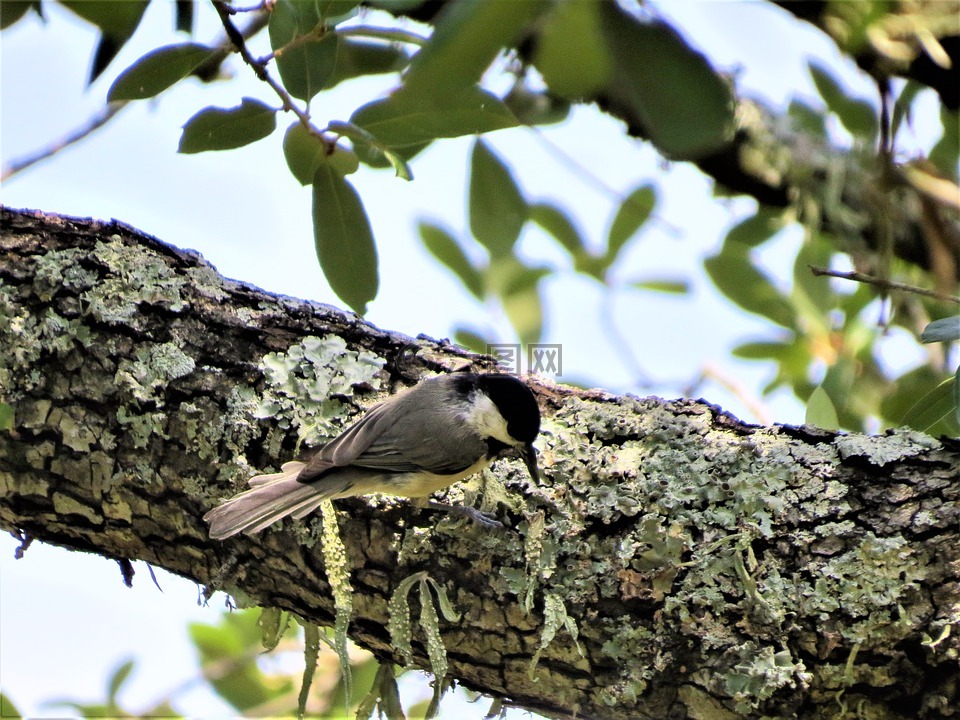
pixel 305 152
pixel 942 330
pixel 497 209
pixel 307 67
pixel 118 19
pixel 904 104
pixel 857 116
pixel 820 410
pixel 807 119
pixel 922 400
pixel 117 22
pixel 446 607
pixel 467 37
pixel 158 70
pixel 536 108
pixel 634 211
pixel 117 680
pixel 335 11
pixel 472 341
pixel 227 128
pixel 813 295
pixel 664 285
pixel 756 229
pixel 356 58
pixel 946 152
pixel 311 652
pixel 6 421
pixel 402 120
pixel 517 287
pixel 368 148
pixel 686 109
pixel 737 278
pixel 344 239
pixel 10 12
pixel 273 624
pixel 956 397
pixel 556 222
pixel 228 653
pixel 445 248
pixel 763 350
pixel 7 708
pixel 570 52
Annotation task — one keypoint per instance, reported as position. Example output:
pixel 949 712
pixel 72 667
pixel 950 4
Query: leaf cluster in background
pixel 439 97
pixel 824 351
pixel 498 213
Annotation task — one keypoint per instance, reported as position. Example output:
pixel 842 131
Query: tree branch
pixel 883 283
pixel 684 562
pixel 260 69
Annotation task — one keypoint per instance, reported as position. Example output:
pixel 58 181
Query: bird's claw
pixel 485 520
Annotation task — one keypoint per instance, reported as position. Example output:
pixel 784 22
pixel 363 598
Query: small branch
pixel 252 8
pixel 207 69
pixel 259 68
pixel 92 124
pixel 884 284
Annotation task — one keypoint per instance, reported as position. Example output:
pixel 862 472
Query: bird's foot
pixel 483 519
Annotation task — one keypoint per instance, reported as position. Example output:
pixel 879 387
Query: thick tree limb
pixel 687 564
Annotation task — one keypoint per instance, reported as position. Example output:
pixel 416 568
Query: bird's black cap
pixel 516 403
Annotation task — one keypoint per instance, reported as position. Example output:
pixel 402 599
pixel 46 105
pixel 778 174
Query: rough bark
pixel 686 564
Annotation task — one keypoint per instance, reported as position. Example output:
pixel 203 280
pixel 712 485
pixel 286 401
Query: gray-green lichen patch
pixel 879 450
pixel 133 277
pixel 27 336
pixel 702 505
pixel 305 386
pixel 152 367
pixel 760 672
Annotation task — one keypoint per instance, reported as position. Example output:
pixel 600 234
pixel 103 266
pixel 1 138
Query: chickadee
pixel 442 430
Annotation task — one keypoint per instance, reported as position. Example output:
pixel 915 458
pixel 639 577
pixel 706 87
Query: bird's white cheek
pixel 487 420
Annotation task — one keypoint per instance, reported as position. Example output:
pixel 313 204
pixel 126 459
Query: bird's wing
pixel 417 434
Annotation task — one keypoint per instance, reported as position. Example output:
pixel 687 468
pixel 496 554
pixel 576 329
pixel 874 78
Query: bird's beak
pixel 529 455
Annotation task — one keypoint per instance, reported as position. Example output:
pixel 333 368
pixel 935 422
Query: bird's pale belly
pixel 415 485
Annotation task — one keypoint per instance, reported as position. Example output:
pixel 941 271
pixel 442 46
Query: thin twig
pixel 206 69
pixel 259 68
pixel 92 124
pixel 583 170
pixel 641 378
pixel 885 284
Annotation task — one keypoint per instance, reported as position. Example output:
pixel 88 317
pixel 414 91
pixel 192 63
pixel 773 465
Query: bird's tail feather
pixel 269 498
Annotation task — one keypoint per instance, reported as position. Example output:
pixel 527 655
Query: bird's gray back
pixel 421 429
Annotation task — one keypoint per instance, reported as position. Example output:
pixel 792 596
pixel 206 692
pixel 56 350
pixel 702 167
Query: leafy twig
pixel 884 284
pixel 259 68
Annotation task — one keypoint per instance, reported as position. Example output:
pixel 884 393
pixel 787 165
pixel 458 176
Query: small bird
pixel 440 431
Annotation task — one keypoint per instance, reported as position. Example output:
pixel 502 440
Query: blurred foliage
pixel 823 341
pixel 253 661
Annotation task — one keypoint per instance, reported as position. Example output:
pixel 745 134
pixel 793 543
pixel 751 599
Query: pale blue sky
pixel 65 619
